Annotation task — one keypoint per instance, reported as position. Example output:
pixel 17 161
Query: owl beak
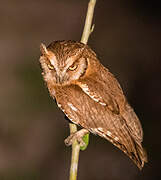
pixel 59 79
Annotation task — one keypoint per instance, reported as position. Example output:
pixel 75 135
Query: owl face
pixel 66 66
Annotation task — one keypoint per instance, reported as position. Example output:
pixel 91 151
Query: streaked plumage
pixel 91 97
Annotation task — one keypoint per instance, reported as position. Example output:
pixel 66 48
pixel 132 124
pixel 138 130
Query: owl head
pixel 65 61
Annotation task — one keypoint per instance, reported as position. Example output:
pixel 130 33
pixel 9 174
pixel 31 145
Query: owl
pixel 91 97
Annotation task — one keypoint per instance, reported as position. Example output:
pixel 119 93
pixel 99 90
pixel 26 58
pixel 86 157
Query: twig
pixel 87 27
pixel 73 128
pixel 75 154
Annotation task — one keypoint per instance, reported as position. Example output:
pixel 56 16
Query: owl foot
pixel 76 136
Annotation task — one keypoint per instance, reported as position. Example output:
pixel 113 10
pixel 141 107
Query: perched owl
pixel 90 96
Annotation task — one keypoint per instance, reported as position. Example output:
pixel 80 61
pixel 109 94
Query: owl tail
pixel 140 157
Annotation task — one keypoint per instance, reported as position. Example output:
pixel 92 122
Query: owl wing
pixel 82 110
pixel 107 92
pixel 99 94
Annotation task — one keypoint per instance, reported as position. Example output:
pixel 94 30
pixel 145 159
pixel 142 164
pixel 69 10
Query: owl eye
pixel 73 67
pixel 50 67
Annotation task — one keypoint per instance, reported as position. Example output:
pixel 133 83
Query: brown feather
pixel 90 96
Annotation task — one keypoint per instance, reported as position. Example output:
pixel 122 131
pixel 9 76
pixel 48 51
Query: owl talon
pixel 76 136
pixel 70 139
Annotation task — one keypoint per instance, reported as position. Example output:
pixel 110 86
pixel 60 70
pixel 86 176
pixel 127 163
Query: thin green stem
pixel 75 154
pixel 73 128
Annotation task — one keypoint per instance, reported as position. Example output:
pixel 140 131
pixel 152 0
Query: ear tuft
pixel 43 49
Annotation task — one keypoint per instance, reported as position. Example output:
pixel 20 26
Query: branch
pixel 87 27
pixel 75 154
pixel 73 128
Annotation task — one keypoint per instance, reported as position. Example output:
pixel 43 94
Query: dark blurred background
pixel 127 39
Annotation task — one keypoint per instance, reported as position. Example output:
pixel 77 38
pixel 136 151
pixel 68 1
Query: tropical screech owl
pixel 91 97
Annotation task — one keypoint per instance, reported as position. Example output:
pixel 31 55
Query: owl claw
pixel 76 136
pixel 70 139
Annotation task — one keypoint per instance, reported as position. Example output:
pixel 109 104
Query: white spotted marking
pixel 104 135
pixel 72 107
pixel 59 105
pixel 116 138
pixel 109 133
pixel 62 109
pixel 93 130
pixel 87 91
pixel 68 117
pixel 85 88
pixel 94 98
pixel 100 128
pixel 103 104
pixel 96 129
